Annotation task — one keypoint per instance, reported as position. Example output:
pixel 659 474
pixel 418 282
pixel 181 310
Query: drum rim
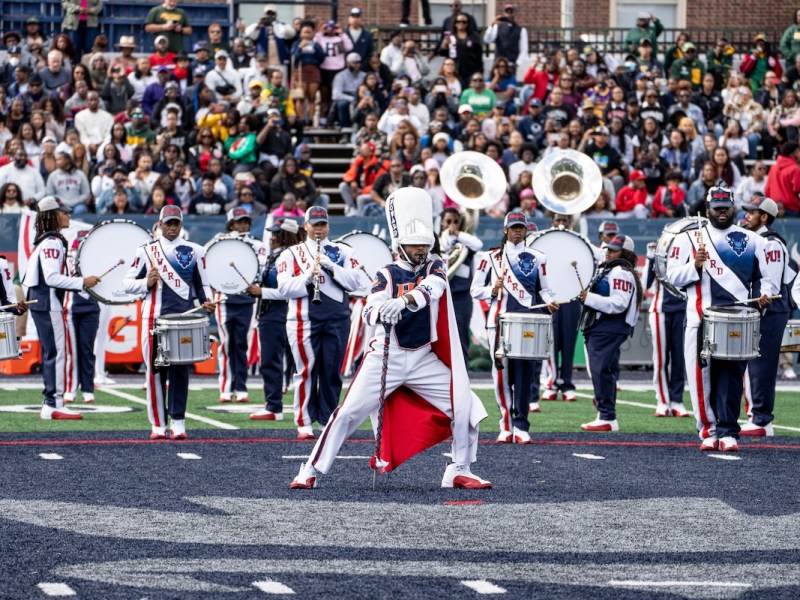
pixel 230 239
pixel 7 316
pixel 577 236
pixel 524 317
pixel 341 238
pixel 739 311
pixel 183 319
pixel 98 225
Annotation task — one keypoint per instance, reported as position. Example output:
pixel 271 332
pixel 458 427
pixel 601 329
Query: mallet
pixel 120 262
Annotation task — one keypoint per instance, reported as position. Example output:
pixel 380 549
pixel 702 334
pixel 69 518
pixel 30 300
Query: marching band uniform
pixel 272 340
pixel 83 319
pixel 611 310
pixel 760 375
pixel 182 273
pixel 523 272
pixel 45 281
pixel 667 318
pixel 234 319
pixel 736 261
pixel 427 395
pixel 7 293
pixel 317 332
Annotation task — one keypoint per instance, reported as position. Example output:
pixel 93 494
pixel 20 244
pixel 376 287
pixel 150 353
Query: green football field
pixel 19 413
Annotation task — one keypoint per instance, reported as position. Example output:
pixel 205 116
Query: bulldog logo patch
pixel 526 263
pixel 184 255
pixel 737 241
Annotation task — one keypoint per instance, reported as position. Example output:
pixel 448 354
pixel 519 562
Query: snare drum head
pixel 370 251
pixel 102 249
pixel 232 265
pixel 562 248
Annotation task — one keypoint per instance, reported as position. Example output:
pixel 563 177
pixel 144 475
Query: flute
pixel 315 299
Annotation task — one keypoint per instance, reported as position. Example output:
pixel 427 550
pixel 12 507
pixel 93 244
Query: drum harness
pixel 263 305
pixel 589 316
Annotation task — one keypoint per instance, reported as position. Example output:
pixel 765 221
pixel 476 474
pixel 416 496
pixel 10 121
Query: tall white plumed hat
pixel 409 212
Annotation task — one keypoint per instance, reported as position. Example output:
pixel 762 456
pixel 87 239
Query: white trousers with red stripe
pixel 660 374
pixel 156 409
pixel 502 389
pixel 51 328
pixel 421 371
pixel 699 380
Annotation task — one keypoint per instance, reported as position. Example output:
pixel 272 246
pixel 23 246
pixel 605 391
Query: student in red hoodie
pixel 783 181
pixel 358 179
pixel 669 199
pixel 632 199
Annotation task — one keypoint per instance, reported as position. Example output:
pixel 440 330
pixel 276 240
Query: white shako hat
pixel 409 212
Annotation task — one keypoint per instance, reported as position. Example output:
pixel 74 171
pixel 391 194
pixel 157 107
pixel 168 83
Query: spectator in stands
pixel 370 133
pixel 450 74
pixel 371 99
pixel 754 183
pixel 386 183
pixel 669 200
pixel 457 9
pixel 464 47
pixel 141 77
pixel 510 40
pixel 162 55
pixel 274 142
pixel 307 58
pixel 207 201
pixel 172 99
pixel 224 80
pixel 357 181
pixel 719 61
pixel 171 133
pixel 647 25
pixel 241 147
pixel 170 21
pixel 202 57
pixel 47 160
pixel 556 110
pixel 125 58
pixel 117 90
pixel 693 140
pixel 54 76
pixel 154 92
pixel 11 200
pixel 689 68
pixel 278 96
pixel 215 39
pixel 272 38
pixel 398 112
pixel 224 184
pixel 790 40
pixel 784 120
pixel 710 102
pixel 735 143
pixel 69 183
pixel 25 176
pixel 34 36
pixel 783 181
pixel 478 96
pixel 98 70
pixel 604 155
pixel 122 185
pixel 246 198
pixel 503 83
pixel 336 45
pixel 363 42
pixel 345 89
pixel 769 94
pixel 761 59
pixel 289 179
pixel 727 170
pixel 93 123
pixel 646 61
pixel 632 199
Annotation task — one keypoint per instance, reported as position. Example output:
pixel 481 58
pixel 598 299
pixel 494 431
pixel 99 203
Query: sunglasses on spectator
pixel 461 22
pixel 245 193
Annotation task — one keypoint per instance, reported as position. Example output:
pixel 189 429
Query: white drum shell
pixel 791 337
pixel 731 333
pixel 562 248
pixel 222 276
pixel 9 345
pixel 371 252
pixel 101 249
pixel 181 340
pixel 663 245
pixel 526 336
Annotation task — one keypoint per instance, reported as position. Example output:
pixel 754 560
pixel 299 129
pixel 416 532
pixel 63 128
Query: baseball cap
pixel 162 69
pixel 316 214
pixel 764 204
pixel 273 111
pixel 170 213
pixel 32 20
pixel 608 227
pixel 255 83
pixel 600 130
pixel 642 14
pixel 515 217
pixel 222 54
pixel 761 37
pixel 527 193
pixel 688 46
pixel 441 136
pixel 355 12
pixel 303 148
pixel 535 102
pixel 49 139
pixel 160 38
pixel 171 85
pixel 52 203
pixel 330 23
pixel 637 174
pixel 270 8
pixel 719 197
pixel 64 148
pixel 283 224
pixel 532 227
pixel 621 242
pixel 199 46
pixel 464 108
pixel 353 57
pixel 645 41
pixel 15 50
pixel 236 214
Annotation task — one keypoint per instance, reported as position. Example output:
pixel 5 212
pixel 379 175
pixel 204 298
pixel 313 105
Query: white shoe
pixel 522 437
pixel 305 433
pixel 178 429
pixel 600 425
pixel 103 380
pixel 678 410
pixel 504 437
pixel 88 397
pixel 751 429
pixel 534 407
pixel 69 397
pixel 662 410
pixel 242 397
pixel 460 476
pixel 709 444
pixel 306 479
pixel 789 373
pixel 569 396
pixel 49 413
pixel 158 433
pixel 266 415
pixel 728 444
pixel 549 394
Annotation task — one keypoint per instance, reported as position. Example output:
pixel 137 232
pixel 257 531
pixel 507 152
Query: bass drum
pixel 664 244
pixel 108 251
pixel 232 265
pixel 563 248
pixel 371 252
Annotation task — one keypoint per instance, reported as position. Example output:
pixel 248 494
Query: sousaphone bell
pixel 567 182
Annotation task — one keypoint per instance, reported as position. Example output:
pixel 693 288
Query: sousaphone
pixel 567 182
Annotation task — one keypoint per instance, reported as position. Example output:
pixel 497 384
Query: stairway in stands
pixel 331 159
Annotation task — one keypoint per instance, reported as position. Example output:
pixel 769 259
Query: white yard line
pixel 703 584
pixel 724 457
pixel 56 589
pixel 483 587
pixel 194 417
pixel 189 456
pixel 589 456
pixel 50 456
pixel 273 587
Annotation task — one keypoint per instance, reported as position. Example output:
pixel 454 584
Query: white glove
pixel 391 311
pixel 325 262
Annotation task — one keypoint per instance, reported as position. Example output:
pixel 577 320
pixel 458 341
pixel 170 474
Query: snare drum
pixel 791 337
pixel 9 346
pixel 181 340
pixel 526 336
pixel 109 250
pixel 371 252
pixel 731 333
pixel 231 265
pixel 665 240
pixel 563 247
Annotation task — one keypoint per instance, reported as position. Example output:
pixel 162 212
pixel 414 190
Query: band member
pixel 8 297
pixel 760 377
pixel 272 312
pixel 611 310
pixel 170 272
pixel 46 283
pixel 456 242
pixel 83 319
pixel 667 318
pixel 717 265
pixel 607 231
pixel 514 279
pixel 315 276
pixel 565 338
pixel 235 316
pixel 423 376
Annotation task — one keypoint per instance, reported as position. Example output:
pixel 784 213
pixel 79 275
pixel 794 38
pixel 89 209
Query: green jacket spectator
pixel 689 68
pixel 790 40
pixel 719 62
pixel 646 25
pixel 170 21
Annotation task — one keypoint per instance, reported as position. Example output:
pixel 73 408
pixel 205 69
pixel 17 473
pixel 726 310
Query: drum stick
pixel 574 264
pixel 546 304
pixel 26 303
pixel 121 262
pixel 235 268
pixel 198 308
pixel 749 300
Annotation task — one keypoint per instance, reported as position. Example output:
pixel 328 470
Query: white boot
pixel 306 479
pixel 460 476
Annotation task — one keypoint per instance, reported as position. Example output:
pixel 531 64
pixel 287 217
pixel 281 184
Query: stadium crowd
pixel 113 128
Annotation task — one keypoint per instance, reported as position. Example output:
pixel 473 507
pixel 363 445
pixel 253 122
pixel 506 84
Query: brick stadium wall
pixel 739 14
pixel 591 15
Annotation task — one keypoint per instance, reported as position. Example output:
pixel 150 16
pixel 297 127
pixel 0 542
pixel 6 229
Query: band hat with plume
pixel 409 212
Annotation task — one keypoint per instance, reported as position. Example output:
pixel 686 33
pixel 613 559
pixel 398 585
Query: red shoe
pixel 265 415
pixel 569 396
pixel 522 437
pixel 305 435
pixel 460 476
pixel 600 425
pixel 549 395
pixel 242 399
pixel 62 414
pixel 710 444
pixel 728 444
